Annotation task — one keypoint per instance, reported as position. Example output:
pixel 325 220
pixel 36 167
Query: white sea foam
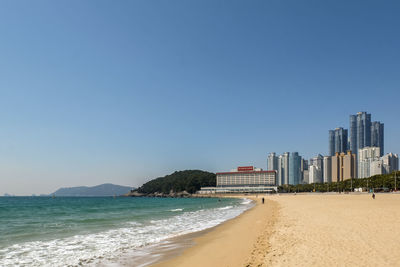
pixel 176 210
pixel 225 208
pixel 109 246
pixel 246 201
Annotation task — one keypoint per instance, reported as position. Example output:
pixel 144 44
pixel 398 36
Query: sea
pixel 102 231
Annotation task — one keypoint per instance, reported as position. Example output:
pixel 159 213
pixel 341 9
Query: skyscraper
pixel 272 162
pixel 294 168
pixel 340 140
pixel 366 156
pixel 319 162
pixel 304 164
pixel 364 133
pixel 285 168
pixel 363 130
pixel 316 169
pixel 390 162
pixel 377 136
pixel 337 167
pixel 331 142
pixel 327 177
pixel 376 167
pixel 360 131
pixel 314 175
pixel 337 141
pixel 349 166
pixel 306 177
pixel 353 134
pixel 343 166
pixel 303 169
pixel 279 174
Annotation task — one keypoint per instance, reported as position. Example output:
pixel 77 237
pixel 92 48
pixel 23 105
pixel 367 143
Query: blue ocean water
pixel 69 231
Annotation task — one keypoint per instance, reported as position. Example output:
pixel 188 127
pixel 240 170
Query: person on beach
pixel 263 200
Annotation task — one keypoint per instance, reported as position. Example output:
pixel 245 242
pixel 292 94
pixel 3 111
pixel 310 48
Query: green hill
pixel 189 180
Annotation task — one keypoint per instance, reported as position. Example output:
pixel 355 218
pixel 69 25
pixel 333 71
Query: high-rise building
pixel 327 177
pixel 364 133
pixel 315 174
pixel 283 168
pixel 366 156
pixel 331 142
pixel 306 177
pixel 337 167
pixel 377 136
pixel 319 161
pixel 360 131
pixel 312 173
pixel 376 167
pixel 344 166
pixel 353 134
pixel 272 162
pixel 303 168
pixel 338 141
pixel 279 173
pixel 390 163
pixel 304 164
pixel 349 166
pixel 294 168
pixel 363 130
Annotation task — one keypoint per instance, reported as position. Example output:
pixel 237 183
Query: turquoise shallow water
pixel 41 231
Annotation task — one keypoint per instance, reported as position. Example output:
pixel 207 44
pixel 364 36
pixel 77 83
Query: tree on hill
pixel 189 180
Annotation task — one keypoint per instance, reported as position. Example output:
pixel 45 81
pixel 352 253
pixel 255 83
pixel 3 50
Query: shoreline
pixel 167 249
pixel 241 247
pixel 172 247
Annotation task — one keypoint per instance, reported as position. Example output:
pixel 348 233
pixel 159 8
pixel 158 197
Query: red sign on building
pixel 245 168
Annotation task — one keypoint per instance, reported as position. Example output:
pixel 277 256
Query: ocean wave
pixel 246 201
pixel 225 208
pixel 92 249
pixel 176 210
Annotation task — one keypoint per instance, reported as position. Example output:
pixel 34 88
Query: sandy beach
pixel 238 242
pixel 336 230
pixel 304 230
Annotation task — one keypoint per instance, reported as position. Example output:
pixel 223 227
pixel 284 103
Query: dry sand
pixel 304 230
pixel 336 230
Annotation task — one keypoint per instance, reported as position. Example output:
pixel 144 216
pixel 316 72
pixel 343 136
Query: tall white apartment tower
pixel 272 162
pixel 366 156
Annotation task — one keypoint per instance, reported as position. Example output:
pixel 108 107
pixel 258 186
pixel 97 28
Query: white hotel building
pixel 244 180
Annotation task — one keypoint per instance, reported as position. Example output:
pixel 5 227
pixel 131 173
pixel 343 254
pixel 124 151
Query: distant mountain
pixel 93 191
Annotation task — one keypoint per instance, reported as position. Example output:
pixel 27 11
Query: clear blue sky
pixel 125 91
